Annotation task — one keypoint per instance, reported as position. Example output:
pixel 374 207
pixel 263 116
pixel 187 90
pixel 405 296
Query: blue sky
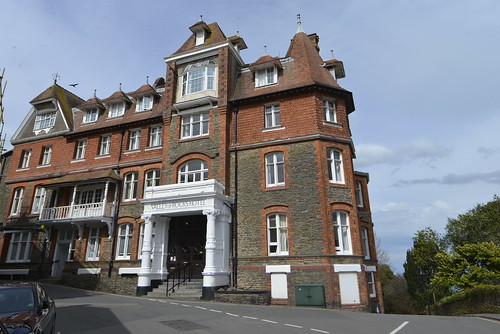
pixel 424 75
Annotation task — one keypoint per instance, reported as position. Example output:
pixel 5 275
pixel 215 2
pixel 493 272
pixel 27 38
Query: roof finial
pixel 238 33
pixel 120 86
pixel 332 53
pixel 265 50
pixel 56 77
pixel 299 24
pixel 147 79
pixel 201 18
pixel 95 93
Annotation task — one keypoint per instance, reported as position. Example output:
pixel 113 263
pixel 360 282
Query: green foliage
pixel 386 274
pixel 470 265
pixel 480 299
pixel 480 224
pixel 421 266
pixel 396 297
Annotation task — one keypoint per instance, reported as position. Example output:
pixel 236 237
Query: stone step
pixel 187 291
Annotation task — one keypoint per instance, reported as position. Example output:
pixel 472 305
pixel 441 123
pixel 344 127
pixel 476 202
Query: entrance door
pixel 186 244
pixel 64 252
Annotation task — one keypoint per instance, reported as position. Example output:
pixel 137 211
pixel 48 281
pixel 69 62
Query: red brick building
pixel 238 174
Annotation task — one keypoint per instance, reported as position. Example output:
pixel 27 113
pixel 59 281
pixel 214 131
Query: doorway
pixel 64 252
pixel 186 245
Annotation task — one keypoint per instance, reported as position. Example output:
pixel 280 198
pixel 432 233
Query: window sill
pixel 115 117
pixel 274 128
pixel 334 124
pixel 91 122
pixel 152 148
pixel 193 138
pixel 77 160
pixel 145 110
pixel 132 151
pixel 277 187
pixel 333 183
pixel 17 261
pixel 267 85
pixel 43 166
pixel 102 156
pixel 22 169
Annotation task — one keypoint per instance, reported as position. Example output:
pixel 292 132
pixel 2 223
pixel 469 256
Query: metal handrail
pixel 179 276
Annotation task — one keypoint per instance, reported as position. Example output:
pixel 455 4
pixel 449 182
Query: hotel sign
pixel 178 205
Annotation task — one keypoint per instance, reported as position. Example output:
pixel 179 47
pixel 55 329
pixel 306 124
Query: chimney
pixel 314 38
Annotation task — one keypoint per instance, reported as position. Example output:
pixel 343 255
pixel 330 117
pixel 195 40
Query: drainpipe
pixel 118 196
pixel 235 203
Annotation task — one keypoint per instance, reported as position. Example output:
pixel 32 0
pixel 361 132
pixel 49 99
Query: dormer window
pixel 266 76
pixel 116 109
pixel 90 115
pixel 45 121
pixel 144 103
pixel 200 37
pixel 199 77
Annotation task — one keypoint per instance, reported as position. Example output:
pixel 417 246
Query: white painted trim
pixel 85 271
pixel 278 269
pixel 342 268
pixel 370 269
pixel 14 271
pixel 123 271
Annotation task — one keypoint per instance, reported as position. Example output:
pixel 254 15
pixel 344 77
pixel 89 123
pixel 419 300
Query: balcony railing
pixel 77 211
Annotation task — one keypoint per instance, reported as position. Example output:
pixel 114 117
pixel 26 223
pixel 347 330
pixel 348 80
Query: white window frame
pixel 335 166
pixel 144 102
pixel 155 136
pixel 365 243
pixel 105 146
pixel 275 169
pixel 130 182
pixel 342 232
pixel 20 247
pixel 370 280
pixel 81 147
pixel 199 77
pixel 272 116
pixel 25 159
pixel 116 109
pixel 45 121
pixel 266 76
pixel 330 111
pixel 38 199
pixel 195 125
pixel 46 155
pixel 90 115
pixel 125 232
pixel 277 234
pixel 187 174
pixel 358 191
pixel 17 201
pixel 134 140
pixel 151 178
pixel 93 244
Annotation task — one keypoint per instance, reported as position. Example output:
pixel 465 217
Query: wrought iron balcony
pixel 77 211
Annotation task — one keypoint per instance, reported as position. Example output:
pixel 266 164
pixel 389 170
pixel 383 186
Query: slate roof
pixel 214 37
pixel 302 66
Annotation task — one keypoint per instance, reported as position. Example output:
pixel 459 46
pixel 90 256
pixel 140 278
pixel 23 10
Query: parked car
pixel 26 308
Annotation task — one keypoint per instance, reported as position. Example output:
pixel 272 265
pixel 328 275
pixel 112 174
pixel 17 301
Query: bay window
pixel 198 77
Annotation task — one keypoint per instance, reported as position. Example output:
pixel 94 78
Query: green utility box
pixel 310 295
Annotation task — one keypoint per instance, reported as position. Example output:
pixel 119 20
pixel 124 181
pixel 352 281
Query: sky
pixel 425 77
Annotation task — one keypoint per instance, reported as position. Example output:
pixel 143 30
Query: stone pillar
pixel 144 281
pixel 211 241
pixel 160 249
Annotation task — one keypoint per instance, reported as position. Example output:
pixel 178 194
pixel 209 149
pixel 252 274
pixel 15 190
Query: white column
pixel 211 242
pixel 160 247
pixel 105 199
pixel 145 272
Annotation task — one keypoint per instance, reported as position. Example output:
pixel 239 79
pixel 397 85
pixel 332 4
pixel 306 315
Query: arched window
pixel 277 234
pixel 335 166
pixel 193 171
pixel 124 241
pixel 342 232
pixel 275 169
pixel 199 77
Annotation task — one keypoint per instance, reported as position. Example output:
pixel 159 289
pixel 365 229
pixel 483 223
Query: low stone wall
pixel 115 284
pixel 243 297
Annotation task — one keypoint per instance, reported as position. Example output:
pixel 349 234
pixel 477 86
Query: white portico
pixel 161 204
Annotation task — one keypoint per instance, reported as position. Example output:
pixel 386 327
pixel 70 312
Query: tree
pixel 480 224
pixel 470 265
pixel 421 266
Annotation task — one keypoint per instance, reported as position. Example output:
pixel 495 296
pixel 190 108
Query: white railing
pixel 76 211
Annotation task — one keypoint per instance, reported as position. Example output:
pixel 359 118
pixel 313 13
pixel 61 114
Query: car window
pixel 16 299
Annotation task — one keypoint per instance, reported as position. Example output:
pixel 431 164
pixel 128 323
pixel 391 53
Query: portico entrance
pixel 186 244
pixel 191 227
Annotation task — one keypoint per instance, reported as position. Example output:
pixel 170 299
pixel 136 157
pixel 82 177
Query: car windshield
pixel 16 299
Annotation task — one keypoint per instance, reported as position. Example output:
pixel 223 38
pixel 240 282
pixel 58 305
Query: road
pixel 80 311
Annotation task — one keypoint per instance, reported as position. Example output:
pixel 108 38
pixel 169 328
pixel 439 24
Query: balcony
pixel 77 211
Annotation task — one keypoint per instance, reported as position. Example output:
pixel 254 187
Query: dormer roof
pixel 144 90
pixel 215 36
pixel 94 102
pixel 265 62
pixel 117 96
pixel 198 26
